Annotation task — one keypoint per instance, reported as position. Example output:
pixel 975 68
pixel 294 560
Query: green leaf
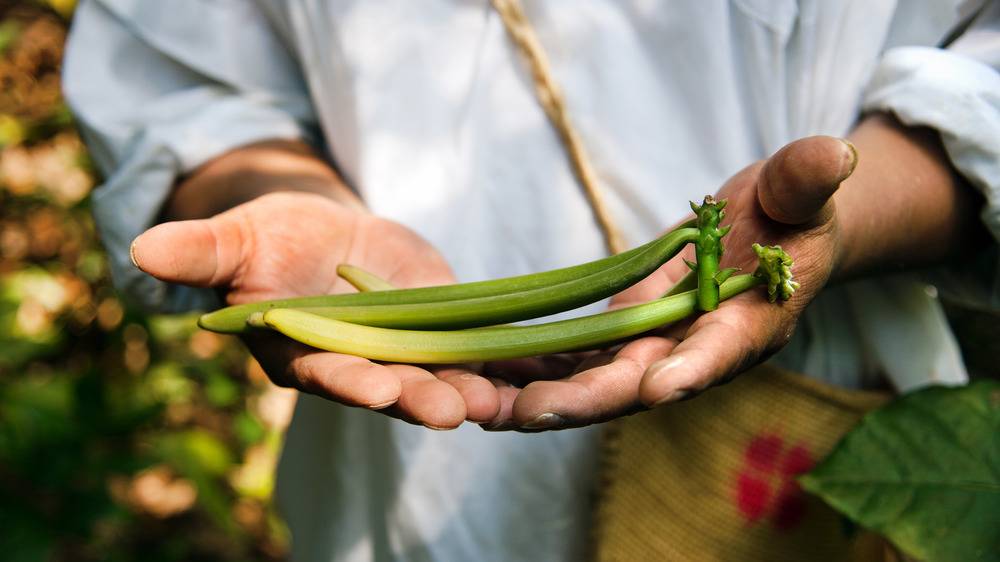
pixel 924 471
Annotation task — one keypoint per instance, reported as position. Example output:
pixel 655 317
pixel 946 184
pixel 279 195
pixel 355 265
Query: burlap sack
pixel 713 478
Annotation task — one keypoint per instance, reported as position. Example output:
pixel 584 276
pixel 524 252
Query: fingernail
pixel 131 254
pixel 506 425
pixel 545 421
pixel 437 428
pixel 849 166
pixel 661 367
pixel 673 396
pixel 380 405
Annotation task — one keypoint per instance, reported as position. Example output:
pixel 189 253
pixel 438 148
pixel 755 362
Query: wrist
pixel 904 206
pixel 249 172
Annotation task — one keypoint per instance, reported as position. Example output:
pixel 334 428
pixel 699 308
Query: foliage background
pixel 125 436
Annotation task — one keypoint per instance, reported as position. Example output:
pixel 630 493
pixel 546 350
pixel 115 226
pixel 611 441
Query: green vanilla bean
pixel 491 343
pixel 708 251
pixel 522 305
pixel 507 342
pixel 233 319
pixel 686 283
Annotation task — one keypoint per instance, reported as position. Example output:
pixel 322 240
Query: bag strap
pixel 551 99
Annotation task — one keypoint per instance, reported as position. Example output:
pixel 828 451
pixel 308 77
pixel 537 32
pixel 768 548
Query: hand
pixel 288 244
pixel 903 206
pixel 784 200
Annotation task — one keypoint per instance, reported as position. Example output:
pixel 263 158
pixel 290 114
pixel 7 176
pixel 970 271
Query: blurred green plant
pixel 123 436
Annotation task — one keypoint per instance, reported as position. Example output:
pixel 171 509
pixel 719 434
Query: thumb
pixel 197 253
pixel 797 182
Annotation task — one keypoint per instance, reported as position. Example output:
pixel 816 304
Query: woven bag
pixel 713 478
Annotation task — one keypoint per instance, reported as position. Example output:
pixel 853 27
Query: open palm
pixel 290 244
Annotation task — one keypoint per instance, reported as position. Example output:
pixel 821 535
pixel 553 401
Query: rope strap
pixel 551 99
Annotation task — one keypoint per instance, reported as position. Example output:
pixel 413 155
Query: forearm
pixel 904 206
pixel 251 171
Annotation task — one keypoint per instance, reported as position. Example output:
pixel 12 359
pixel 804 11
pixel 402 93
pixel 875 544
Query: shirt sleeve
pixel 160 88
pixel 955 90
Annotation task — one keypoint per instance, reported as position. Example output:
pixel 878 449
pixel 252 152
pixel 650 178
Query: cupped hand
pixel 289 244
pixel 783 200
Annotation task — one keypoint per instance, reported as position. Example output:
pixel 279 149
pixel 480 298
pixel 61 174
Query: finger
pixel 482 402
pixel 508 376
pixel 402 391
pixel 796 183
pixel 718 346
pixel 348 380
pixel 199 253
pixel 504 420
pixel 426 400
pixel 605 388
pixel 521 371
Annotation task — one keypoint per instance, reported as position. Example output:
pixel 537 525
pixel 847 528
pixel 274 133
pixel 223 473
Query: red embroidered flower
pixel 766 488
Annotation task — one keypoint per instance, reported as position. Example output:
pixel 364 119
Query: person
pixel 251 147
